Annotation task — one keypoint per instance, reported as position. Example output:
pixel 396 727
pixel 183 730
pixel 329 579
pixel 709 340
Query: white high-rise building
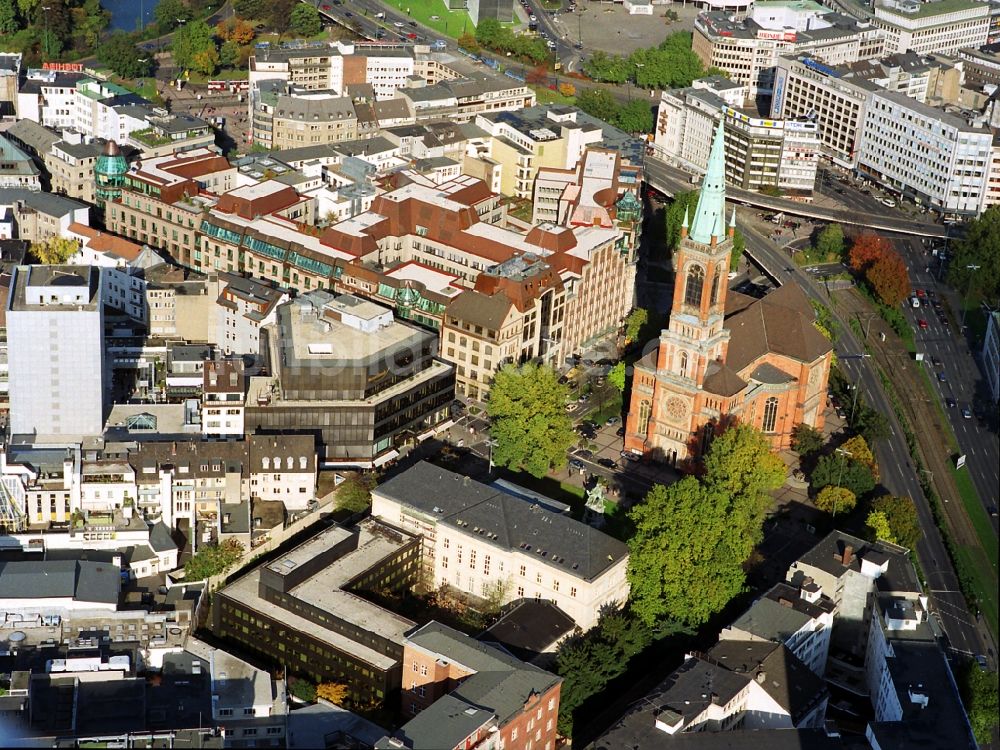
pixel 55 340
pixel 941 27
pixel 935 157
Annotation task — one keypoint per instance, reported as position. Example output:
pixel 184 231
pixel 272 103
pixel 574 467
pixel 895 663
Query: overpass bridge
pixel 670 180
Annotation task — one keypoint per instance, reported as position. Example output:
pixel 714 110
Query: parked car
pixel 576 464
pixel 613 420
pixel 585 454
pixel 607 463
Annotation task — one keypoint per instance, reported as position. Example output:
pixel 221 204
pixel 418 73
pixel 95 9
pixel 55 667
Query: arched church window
pixel 770 414
pixel 695 282
pixel 717 283
pixel 643 424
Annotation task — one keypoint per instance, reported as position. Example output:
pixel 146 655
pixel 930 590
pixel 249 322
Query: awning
pixel 386 458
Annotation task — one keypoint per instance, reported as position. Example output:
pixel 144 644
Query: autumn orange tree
pixel 867 249
pixel 889 278
pixel 335 692
pixel 235 29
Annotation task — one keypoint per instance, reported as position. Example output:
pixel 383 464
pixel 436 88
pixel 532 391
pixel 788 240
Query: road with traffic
pixel 958 380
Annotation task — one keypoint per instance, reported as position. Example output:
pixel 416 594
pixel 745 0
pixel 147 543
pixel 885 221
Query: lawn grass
pixel 977 515
pixel 451 23
pixel 545 95
pixel 984 583
pixel 147 90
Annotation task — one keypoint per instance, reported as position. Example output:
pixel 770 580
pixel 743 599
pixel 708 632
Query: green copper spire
pixel 709 216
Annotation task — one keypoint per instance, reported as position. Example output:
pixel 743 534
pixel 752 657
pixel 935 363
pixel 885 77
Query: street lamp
pixel 840 476
pixel 968 290
pixel 46 8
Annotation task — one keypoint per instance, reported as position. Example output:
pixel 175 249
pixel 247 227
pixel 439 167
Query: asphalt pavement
pixel 964 382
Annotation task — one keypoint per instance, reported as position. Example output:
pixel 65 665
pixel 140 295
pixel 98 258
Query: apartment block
pixel 162 200
pixel 801 618
pixel 462 99
pixel 478 539
pixel 939 27
pixel 333 66
pixel 939 159
pixel 223 392
pixel 449 691
pixel 17 170
pixel 48 97
pixel 305 117
pixel 748 49
pixel 847 570
pixel 38 216
pixel 243 308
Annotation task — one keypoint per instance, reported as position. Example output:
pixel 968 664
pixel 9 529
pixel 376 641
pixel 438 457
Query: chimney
pixel 848 555
pixel 761 677
pixel 173 449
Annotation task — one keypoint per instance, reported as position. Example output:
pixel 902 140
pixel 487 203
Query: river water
pixel 125 14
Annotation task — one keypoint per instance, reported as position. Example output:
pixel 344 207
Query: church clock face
pixel 676 409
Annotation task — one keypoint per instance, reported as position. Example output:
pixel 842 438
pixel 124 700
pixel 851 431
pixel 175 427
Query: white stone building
pixel 941 27
pixel 483 541
pixel 55 336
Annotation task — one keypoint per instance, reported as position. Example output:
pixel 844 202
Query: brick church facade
pixel 725 357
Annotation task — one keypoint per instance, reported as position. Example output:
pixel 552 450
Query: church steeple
pixel 709 216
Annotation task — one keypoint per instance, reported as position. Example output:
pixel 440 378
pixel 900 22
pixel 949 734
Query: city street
pixel 897 473
pixel 972 417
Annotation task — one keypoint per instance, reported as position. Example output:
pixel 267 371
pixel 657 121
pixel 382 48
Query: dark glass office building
pixel 343 369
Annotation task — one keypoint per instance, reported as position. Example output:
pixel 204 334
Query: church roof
pixel 780 323
pixel 722 380
pixel 710 215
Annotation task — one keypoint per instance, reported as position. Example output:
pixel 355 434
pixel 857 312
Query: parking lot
pixel 610 28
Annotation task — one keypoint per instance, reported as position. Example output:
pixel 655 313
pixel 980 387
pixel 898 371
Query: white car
pixel 398 24
pixel 532 17
pixel 889 202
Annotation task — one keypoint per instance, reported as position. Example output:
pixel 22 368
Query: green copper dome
pixel 109 173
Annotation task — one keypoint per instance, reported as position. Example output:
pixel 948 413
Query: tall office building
pixel 55 340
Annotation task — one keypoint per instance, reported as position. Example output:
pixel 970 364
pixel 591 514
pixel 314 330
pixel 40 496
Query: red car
pixel 325 7
pixel 920 293
pixel 411 35
pixel 923 324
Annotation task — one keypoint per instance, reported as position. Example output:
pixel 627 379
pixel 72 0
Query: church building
pixel 725 357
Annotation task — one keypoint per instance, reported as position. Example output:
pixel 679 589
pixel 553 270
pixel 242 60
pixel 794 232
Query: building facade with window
pixel 305 611
pixel 725 355
pixel 487 543
pixel 450 694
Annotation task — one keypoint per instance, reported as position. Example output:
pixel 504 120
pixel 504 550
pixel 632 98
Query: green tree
pixel 834 500
pixel 489 32
pixel 8 17
pixel 212 560
pixel 635 117
pixel 979 691
pixel 680 564
pixel 355 493
pixel 588 661
pixel 192 39
pixel 121 55
pixel 279 14
pixel 634 323
pixel 692 538
pixel 306 20
pixel 616 376
pixel 598 103
pixel 871 423
pixel 830 242
pixel 206 61
pixel 250 8
pixel 610 68
pixel 806 439
pixel 89 20
pixel 304 690
pixel 55 23
pixel 878 527
pixel 839 471
pixel 980 246
pixel 170 14
pixel 527 407
pixel 229 53
pixel 901 514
